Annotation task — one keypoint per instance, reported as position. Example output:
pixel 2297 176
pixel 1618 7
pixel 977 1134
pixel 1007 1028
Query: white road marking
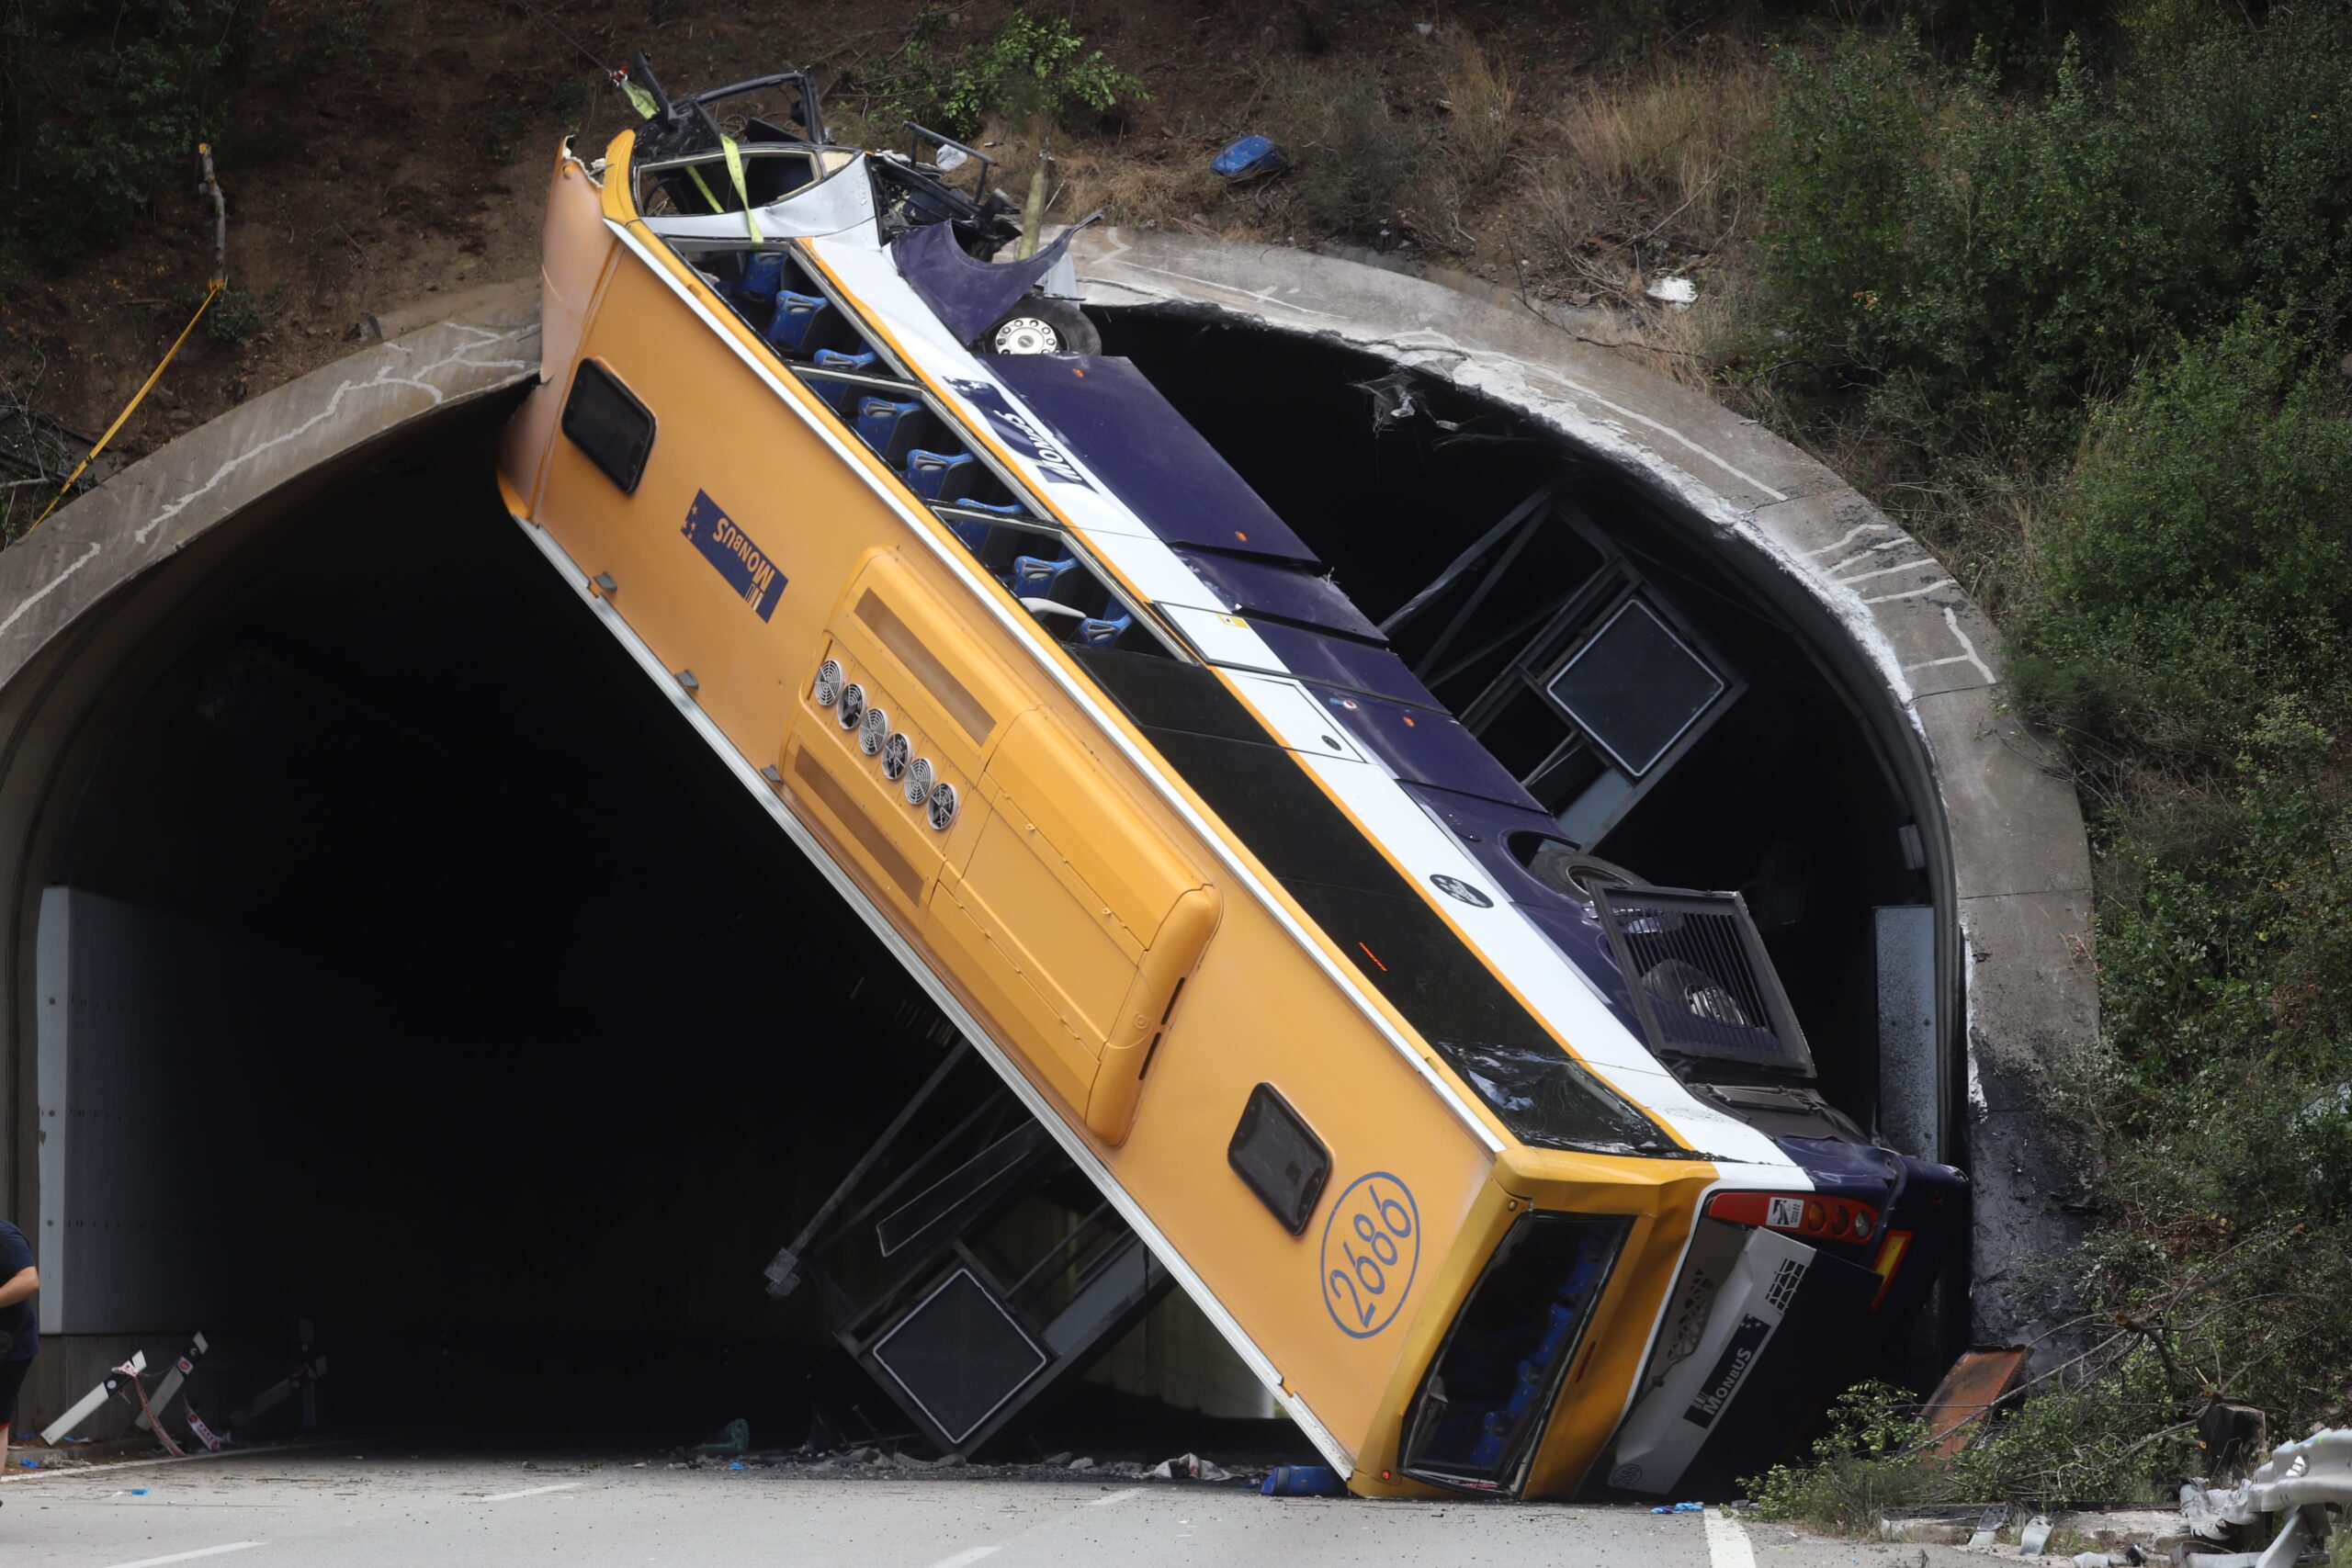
pixel 531 1491
pixel 1105 1502
pixel 963 1559
pixel 1727 1542
pixel 191 1556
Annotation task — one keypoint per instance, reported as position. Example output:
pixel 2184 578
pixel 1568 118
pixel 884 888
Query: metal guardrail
pixel 2298 1480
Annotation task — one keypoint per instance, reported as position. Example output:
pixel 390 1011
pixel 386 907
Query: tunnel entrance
pixel 506 1038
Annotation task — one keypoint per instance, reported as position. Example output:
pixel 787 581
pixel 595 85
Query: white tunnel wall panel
pixel 134 1007
pixel 1911 1072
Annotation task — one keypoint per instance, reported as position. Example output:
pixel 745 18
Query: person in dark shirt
pixel 19 1325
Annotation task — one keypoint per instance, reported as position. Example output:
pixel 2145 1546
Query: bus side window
pixel 606 420
pixel 1280 1157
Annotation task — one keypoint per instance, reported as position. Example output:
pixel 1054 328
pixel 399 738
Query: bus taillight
pixel 1797 1214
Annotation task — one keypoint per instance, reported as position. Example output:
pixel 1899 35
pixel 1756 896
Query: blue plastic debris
pixel 29 1464
pixel 1681 1508
pixel 139 1492
pixel 734 1464
pixel 1303 1481
pixel 1251 158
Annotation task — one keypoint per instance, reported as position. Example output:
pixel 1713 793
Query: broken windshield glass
pixel 1548 1099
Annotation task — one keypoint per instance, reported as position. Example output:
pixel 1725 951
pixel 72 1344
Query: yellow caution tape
pixel 742 190
pixel 211 293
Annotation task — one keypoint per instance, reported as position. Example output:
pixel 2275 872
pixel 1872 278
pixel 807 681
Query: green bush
pixel 2224 1082
pixel 102 104
pixel 1029 67
pixel 2242 142
pixel 1982 267
pixel 1851 136
pixel 1974 267
pixel 1864 1463
pixel 2198 563
pixel 1033 68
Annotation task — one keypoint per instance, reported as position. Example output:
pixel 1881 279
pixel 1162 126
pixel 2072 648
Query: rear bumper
pixel 1758 1329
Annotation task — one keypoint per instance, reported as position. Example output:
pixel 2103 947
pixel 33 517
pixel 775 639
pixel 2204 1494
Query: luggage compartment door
pixel 1089 917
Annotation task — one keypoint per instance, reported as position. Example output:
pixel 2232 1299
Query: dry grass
pixel 1130 179
pixel 1362 167
pixel 1482 110
pixel 1644 178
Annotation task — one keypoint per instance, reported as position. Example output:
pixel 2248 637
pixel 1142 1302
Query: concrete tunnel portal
pixel 491 1027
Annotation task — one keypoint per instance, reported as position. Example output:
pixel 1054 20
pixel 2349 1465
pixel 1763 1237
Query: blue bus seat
pixel 838 394
pixel 796 316
pixel 975 535
pixel 941 475
pixel 879 420
pixel 762 278
pixel 1033 577
pixel 1099 633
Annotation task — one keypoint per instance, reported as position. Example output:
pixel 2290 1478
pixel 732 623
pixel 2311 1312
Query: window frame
pixel 643 448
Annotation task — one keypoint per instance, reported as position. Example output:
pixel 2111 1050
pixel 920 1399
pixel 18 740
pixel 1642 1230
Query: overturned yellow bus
pixel 1497 1164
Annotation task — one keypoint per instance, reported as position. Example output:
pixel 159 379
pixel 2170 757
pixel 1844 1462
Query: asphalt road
pixel 328 1506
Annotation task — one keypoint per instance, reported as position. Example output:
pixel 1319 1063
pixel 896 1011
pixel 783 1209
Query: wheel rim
pixel 1027 334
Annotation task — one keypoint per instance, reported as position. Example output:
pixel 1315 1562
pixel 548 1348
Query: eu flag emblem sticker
pixel 744 564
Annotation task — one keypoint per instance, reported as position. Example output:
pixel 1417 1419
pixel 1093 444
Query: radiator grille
pixel 1699 978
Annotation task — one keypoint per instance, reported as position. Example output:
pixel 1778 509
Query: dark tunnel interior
pixel 541 1038
pixel 549 1038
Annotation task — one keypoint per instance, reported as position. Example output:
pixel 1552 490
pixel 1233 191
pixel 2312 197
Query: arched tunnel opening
pixel 500 1034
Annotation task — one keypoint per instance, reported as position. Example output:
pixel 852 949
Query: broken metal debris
pixel 2303 1481
pixel 1977 1384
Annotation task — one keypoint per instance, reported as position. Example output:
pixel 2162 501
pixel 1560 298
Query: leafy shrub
pixel 1033 68
pixel 101 104
pixel 2199 562
pixel 1852 134
pixel 1978 267
pixel 237 315
pixel 2241 144
pixel 1987 262
pixel 1864 1463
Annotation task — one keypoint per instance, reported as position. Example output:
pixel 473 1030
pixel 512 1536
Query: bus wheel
pixel 1042 326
